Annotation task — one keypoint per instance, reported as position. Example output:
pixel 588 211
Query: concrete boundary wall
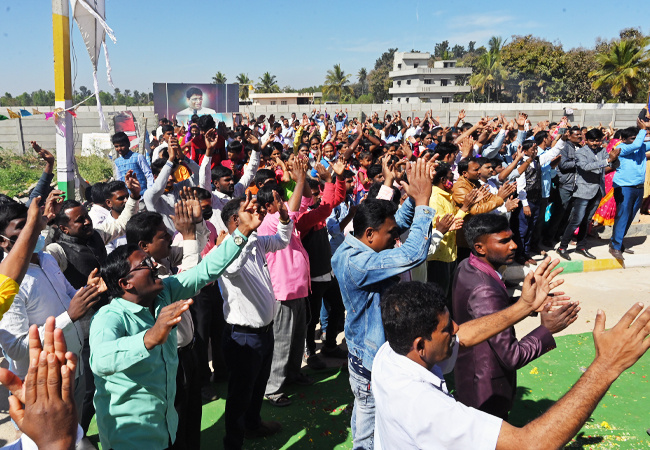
pixel 15 134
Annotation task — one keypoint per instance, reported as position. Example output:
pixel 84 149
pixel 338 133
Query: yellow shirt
pixel 8 290
pixel 442 202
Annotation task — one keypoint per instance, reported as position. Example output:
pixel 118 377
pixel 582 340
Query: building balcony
pixel 417 90
pixel 414 73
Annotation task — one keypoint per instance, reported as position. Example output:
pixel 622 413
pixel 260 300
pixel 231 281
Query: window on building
pixel 446 99
pixel 399 66
pixel 273 102
pixel 283 102
pixel 398 99
pixel 415 66
pixel 444 82
pixel 427 81
pixel 399 83
pixel 408 81
pixel 449 64
pixel 407 99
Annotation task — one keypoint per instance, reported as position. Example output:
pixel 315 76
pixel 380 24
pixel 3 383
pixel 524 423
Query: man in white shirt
pixel 44 292
pixel 414 409
pixel 249 308
pixel 115 196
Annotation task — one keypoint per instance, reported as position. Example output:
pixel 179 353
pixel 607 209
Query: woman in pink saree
pixel 606 211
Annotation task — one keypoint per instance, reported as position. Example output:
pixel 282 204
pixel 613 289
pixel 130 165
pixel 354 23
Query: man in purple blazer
pixel 486 374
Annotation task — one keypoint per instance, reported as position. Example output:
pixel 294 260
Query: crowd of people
pixel 233 245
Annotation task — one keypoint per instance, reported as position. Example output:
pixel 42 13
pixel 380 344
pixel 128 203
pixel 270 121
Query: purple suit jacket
pixel 486 374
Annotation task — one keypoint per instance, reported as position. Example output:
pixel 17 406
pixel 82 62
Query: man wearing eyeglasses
pixel 133 340
pixel 592 163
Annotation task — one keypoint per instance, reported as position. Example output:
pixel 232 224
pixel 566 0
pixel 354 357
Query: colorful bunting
pixel 12 114
pixel 36 111
pixel 25 113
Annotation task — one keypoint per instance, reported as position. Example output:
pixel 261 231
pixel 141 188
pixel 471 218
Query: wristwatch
pixel 238 240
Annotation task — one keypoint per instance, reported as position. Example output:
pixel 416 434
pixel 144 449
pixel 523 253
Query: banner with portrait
pixel 181 101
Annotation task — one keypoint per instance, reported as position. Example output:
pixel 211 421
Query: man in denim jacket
pixel 366 264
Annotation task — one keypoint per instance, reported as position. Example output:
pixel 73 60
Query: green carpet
pixel 317 419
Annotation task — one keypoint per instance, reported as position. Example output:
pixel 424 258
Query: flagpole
pixel 63 97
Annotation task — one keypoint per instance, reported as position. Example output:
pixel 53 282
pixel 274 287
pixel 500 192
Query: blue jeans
pixel 628 202
pixel 582 212
pixel 363 414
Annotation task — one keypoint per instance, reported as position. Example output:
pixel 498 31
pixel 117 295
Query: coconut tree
pixel 268 84
pixel 362 75
pixel 490 74
pixel 245 84
pixel 337 83
pixel 219 78
pixel 620 66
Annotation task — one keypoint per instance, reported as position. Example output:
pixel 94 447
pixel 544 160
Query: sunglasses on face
pixel 146 263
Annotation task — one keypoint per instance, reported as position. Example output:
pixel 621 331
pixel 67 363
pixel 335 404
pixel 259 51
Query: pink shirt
pixel 289 268
pixel 212 240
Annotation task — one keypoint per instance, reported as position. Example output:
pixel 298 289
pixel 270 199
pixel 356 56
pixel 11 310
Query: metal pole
pixel 63 97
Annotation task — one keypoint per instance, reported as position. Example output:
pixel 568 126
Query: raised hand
pixel 49 415
pixel 53 203
pixel 167 319
pixel 132 184
pixel 461 114
pixel 620 347
pixel 45 155
pixel 521 120
pixel 443 224
pixel 83 300
pixel 323 173
pixel 184 221
pixel 506 190
pixel 537 286
pixel 511 204
pixel 419 186
pixel 467 146
pixel 94 279
pixel 339 167
pixel 280 206
pixel 475 196
pixel 211 141
pixel 192 203
pixel 249 217
pixel 299 168
pixel 387 170
pixel 556 320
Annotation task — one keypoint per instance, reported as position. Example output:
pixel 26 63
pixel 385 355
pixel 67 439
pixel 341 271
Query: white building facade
pixel 415 82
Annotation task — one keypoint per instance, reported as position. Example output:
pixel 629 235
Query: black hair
pixel 617 134
pixel 466 126
pixel 445 148
pixel 594 134
pixel 276 146
pixel 142 227
pixel 193 91
pixel 157 166
pixel 409 311
pixel 265 194
pixel 303 145
pixel 372 214
pixel 98 192
pixel 9 212
pixel 374 170
pixel 112 187
pixel 313 183
pixel 629 132
pixel 373 192
pixel 262 175
pixel 231 209
pixel 277 125
pixel 527 145
pixel 364 155
pixel 202 194
pixel 121 138
pixel 540 136
pixel 441 172
pixel 463 164
pixel 482 161
pixel 219 172
pixel 194 118
pixel 206 123
pixel 5 199
pixel 115 267
pixel 61 217
pixel 482 224
pixel 346 174
pixel 166 128
pixel 235 146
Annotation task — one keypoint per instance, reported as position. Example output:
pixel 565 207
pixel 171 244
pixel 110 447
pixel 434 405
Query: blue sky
pixel 170 41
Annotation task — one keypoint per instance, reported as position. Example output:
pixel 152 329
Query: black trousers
pixel 188 401
pixel 442 273
pixel 88 408
pixel 562 200
pixel 207 315
pixel 248 357
pixel 329 293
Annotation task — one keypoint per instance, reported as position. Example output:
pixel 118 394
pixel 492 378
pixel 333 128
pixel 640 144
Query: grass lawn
pixel 317 419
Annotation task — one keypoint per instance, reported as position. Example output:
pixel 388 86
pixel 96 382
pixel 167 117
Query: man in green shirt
pixel 133 340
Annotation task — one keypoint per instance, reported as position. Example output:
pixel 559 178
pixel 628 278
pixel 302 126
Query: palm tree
pixel 245 85
pixel 496 44
pixel 362 75
pixel 490 74
pixel 268 84
pixel 219 78
pixel 336 83
pixel 620 66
